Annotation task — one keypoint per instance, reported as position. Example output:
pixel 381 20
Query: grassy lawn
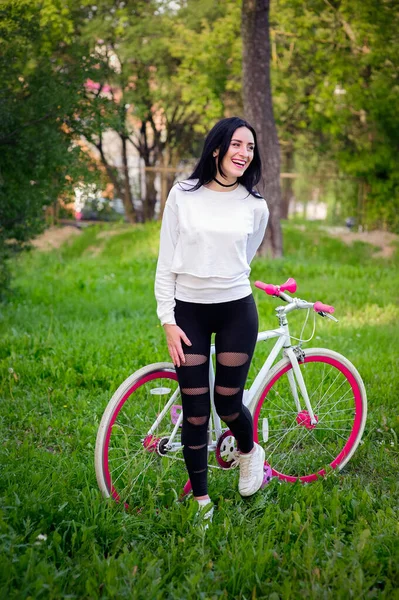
pixel 79 321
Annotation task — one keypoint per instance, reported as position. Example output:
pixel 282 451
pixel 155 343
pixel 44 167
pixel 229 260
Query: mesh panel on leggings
pixel 228 398
pixel 232 359
pixel 195 391
pixel 226 391
pixel 230 418
pixel 197 420
pixel 194 359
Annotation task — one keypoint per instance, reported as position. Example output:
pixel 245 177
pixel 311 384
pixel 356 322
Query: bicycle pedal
pixel 267 475
pixel 175 413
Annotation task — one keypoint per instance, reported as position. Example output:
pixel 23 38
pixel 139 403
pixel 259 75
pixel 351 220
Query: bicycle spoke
pixel 334 431
pixel 329 429
pixel 280 410
pixel 282 398
pixel 342 400
pixel 133 469
pixel 132 484
pixel 327 413
pixel 294 447
pixel 124 467
pixel 321 399
pixel 320 384
pixel 324 448
pixel 300 441
pixel 285 435
pixel 342 410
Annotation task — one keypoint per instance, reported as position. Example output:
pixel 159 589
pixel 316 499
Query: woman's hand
pixel 174 335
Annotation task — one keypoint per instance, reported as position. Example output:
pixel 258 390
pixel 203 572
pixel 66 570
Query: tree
pixel 259 110
pixel 207 46
pixel 41 78
pixel 335 71
pixel 136 92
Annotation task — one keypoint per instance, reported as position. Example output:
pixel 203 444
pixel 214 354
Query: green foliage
pixel 335 71
pixel 208 47
pixel 82 324
pixel 334 68
pixel 41 80
pixel 133 43
pixel 173 70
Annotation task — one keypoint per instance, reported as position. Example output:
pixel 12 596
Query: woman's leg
pixel 235 342
pixel 193 376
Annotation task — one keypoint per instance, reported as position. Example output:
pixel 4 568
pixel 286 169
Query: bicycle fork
pixel 304 417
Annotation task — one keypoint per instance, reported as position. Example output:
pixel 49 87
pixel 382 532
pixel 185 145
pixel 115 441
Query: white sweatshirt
pixel 208 240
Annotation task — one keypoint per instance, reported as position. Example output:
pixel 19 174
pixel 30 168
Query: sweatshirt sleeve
pixel 255 239
pixel 165 280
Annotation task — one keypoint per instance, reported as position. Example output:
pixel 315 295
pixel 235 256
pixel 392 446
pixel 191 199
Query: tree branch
pixel 348 29
pixel 3 140
pixel 109 168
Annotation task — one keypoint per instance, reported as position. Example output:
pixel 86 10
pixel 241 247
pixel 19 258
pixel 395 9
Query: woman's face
pixel 239 154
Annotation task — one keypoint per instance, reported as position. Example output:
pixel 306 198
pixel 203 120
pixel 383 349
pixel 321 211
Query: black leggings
pixel 236 326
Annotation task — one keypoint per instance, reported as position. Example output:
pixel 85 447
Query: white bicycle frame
pixel 250 395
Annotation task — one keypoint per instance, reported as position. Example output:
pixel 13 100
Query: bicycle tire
pixel 294 447
pixel 122 460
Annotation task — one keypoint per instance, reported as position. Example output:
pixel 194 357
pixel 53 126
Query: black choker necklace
pixel 223 184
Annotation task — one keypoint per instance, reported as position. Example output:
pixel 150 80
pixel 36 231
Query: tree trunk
pixel 148 153
pixel 150 197
pixel 173 159
pixel 165 179
pixel 111 171
pixel 258 110
pixel 287 191
pixel 127 197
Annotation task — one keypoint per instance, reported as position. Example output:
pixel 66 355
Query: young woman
pixel 212 226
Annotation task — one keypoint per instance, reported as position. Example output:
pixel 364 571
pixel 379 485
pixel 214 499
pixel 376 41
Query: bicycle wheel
pixel 294 447
pixel 131 459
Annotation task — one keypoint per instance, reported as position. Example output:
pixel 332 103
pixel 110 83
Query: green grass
pixel 79 322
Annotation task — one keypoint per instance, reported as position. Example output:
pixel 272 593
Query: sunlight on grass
pixel 372 314
pixel 80 320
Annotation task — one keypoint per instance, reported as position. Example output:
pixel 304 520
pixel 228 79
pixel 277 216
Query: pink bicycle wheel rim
pixel 141 381
pixel 356 424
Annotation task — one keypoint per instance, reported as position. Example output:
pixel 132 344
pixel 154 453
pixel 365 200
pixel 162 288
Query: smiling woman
pixel 230 157
pixel 212 226
pixel 236 160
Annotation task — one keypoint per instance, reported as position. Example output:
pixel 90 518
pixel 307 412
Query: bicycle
pixel 309 413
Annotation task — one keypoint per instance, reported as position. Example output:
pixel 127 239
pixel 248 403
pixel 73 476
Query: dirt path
pixel 54 237
pixel 382 239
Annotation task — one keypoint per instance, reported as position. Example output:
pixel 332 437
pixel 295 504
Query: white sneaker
pixel 251 471
pixel 205 512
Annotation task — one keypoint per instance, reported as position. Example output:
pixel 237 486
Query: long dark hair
pixel 219 137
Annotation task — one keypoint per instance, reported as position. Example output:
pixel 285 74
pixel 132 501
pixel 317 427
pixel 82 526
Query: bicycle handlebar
pixel 290 286
pixel 274 290
pixel 320 307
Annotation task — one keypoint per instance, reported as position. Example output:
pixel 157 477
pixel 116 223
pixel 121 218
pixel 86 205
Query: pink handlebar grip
pixel 320 307
pixel 274 290
pixel 289 286
pixel 270 289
